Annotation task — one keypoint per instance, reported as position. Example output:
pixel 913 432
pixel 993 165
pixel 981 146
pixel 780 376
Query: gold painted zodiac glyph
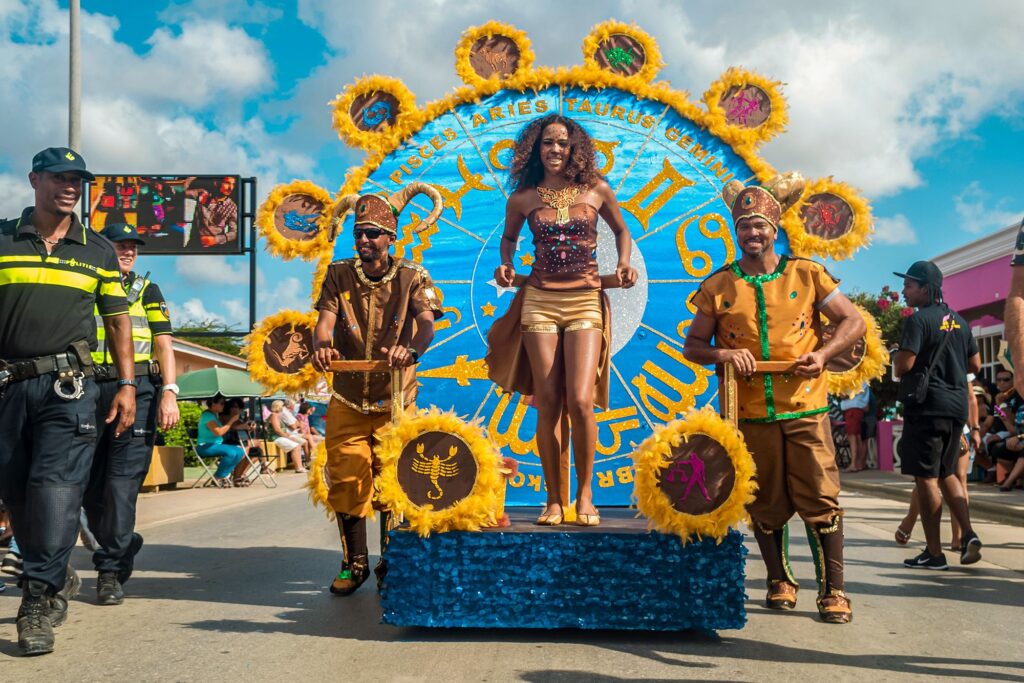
pixel 435 467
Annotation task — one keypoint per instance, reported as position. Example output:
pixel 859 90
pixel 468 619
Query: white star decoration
pixel 499 289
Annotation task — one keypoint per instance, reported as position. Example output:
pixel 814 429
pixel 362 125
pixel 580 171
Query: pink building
pixel 976 282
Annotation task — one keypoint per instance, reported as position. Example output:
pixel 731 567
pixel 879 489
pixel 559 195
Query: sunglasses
pixel 369 233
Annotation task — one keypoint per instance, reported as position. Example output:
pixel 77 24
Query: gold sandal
pixel 781 595
pixel 835 608
pixel 553 519
pixel 587 520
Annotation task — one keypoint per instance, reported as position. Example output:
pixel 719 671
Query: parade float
pixel 671 556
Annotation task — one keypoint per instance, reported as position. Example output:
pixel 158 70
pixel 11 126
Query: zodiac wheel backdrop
pixel 666 159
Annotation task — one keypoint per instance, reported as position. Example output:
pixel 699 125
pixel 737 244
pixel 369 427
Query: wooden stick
pixel 359 366
pixel 766 366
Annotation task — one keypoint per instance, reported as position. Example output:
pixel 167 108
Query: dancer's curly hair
pixel 527 170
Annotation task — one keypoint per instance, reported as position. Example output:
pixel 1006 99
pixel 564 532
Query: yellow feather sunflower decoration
pixel 728 124
pixel 318 482
pixel 870 366
pixel 375 111
pixel 655 454
pixel 827 205
pixel 282 246
pixel 281 342
pixel 475 510
pixel 495 59
pixel 620 41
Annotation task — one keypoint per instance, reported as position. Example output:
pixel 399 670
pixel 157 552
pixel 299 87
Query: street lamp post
pixel 74 82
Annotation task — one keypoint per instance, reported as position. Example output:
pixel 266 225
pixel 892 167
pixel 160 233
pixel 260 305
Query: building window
pixel 989 339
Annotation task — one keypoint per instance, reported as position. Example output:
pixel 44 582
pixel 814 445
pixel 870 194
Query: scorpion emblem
pixel 435 467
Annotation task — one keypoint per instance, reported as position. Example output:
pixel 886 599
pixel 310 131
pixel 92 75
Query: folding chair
pixel 209 473
pixel 255 469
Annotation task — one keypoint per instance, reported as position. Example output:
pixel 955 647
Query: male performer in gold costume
pixel 766 307
pixel 372 307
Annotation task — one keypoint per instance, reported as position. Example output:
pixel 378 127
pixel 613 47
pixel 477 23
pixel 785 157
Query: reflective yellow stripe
pixel 48 276
pixel 142 337
pixel 30 260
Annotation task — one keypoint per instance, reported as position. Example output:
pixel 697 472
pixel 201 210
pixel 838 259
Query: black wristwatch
pixel 127 383
pixel 415 355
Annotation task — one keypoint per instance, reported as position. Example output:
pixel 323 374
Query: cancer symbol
pixel 435 467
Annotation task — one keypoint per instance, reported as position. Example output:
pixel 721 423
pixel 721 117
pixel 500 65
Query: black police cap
pixel 60 160
pixel 119 232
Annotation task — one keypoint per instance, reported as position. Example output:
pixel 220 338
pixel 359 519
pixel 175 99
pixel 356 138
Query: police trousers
pixel 118 469
pixel 46 450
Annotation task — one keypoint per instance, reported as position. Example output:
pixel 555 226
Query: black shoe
pixel 108 589
pixel 133 549
pixel 971 552
pixel 35 633
pixel 927 561
pixel 59 603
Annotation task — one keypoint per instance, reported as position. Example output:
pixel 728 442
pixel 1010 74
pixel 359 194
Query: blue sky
pixel 921 110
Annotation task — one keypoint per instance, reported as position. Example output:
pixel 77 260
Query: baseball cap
pixel 925 272
pixel 119 232
pixel 60 160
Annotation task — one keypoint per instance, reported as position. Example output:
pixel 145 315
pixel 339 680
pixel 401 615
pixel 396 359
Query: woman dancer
pixel 559 318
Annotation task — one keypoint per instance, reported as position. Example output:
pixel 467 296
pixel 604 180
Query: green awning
pixel 212 381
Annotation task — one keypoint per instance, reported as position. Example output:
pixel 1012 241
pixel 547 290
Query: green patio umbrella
pixel 212 381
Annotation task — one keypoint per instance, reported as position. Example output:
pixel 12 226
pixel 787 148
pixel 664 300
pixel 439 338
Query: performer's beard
pixel 369 254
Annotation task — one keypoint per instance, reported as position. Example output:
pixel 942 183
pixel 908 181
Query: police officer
pixel 121 462
pixel 53 274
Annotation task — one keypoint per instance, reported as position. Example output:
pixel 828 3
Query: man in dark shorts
pixel 930 445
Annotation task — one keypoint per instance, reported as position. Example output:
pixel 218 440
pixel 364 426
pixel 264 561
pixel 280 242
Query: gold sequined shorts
pixel 551 311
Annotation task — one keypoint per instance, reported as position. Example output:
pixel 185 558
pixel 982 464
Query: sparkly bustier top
pixel 565 256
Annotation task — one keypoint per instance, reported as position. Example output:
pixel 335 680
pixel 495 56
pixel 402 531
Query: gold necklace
pixel 388 275
pixel 560 200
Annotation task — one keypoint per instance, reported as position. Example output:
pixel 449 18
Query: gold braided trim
pixel 544 328
pixel 366 408
pixel 833 525
pixel 576 325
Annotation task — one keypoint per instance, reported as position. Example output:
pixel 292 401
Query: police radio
pixel 135 291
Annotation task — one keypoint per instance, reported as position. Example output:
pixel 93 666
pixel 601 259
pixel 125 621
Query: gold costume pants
pixel 550 311
pixel 351 466
pixel 796 471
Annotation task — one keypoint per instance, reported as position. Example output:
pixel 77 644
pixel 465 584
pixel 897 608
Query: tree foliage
pixel 227 343
pixel 177 436
pixel 890 313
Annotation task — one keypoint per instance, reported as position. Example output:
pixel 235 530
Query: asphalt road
pixel 239 592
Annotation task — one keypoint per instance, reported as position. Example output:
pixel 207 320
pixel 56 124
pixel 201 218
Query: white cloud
pixel 192 310
pixel 212 269
pixel 284 294
pixel 174 109
pixel 237 312
pixel 894 230
pixel 872 88
pixel 978 212
pixel 16 194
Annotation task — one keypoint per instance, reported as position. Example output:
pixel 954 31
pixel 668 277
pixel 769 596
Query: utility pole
pixel 74 82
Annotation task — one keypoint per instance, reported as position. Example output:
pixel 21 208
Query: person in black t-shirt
pixel 930 445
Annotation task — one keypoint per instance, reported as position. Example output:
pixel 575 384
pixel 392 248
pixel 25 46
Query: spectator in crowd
pixel 854 409
pixel 289 414
pixel 284 438
pixel 1008 454
pixel 308 431
pixel 210 443
pixel 938 348
pixel 233 437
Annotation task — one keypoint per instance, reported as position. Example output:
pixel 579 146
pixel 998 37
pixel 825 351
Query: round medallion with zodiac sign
pixel 699 477
pixel 436 469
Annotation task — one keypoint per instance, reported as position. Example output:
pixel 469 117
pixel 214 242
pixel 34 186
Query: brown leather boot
pixel 834 606
pixel 782 587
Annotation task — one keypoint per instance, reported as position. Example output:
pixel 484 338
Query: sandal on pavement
pixel 902 537
pixel 835 608
pixel 781 595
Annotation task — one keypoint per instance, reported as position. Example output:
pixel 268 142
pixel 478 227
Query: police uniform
pixel 48 421
pixel 121 462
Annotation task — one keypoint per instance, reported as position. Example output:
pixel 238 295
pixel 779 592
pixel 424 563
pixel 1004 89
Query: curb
pixel 982 509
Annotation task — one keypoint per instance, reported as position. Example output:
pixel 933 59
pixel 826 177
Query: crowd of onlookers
pixel 227 431
pixel 1001 421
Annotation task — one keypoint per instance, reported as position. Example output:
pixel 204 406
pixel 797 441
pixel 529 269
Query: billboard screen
pixel 174 214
